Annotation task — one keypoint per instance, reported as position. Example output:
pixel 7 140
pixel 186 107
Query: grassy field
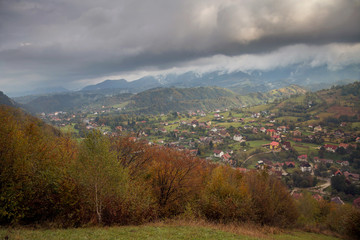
pixel 69 129
pixel 159 232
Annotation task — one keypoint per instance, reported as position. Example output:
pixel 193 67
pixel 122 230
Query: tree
pixel 99 172
pixel 338 183
pixel 225 197
pixel 175 178
pixel 211 145
pixel 272 204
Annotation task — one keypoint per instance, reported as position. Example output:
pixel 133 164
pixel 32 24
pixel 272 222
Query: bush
pixel 271 201
pixel 225 197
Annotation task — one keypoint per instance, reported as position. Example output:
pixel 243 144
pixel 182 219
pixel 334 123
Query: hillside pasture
pixel 161 231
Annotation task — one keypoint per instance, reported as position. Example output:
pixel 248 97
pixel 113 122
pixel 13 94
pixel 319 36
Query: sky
pixel 73 43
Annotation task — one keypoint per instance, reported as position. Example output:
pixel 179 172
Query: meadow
pixel 177 230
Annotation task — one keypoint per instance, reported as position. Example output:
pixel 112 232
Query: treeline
pixel 46 177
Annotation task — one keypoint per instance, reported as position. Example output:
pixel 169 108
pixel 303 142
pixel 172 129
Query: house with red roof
pixel 218 153
pixel 344 145
pixel 330 148
pixel 290 164
pixel 274 146
pixel 282 128
pixel 276 138
pixel 297 133
pixel 226 157
pixel 303 158
pixel 270 132
pixel 338 173
pixel 352 176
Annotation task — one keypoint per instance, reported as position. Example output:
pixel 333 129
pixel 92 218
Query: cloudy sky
pixel 72 43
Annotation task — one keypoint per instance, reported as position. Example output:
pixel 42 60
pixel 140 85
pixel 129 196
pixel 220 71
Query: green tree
pixel 99 172
pixel 338 183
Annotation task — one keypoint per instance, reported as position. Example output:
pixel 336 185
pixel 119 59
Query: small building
pixel 282 128
pixel 290 164
pixel 303 158
pixel 270 132
pixel 226 157
pixel 344 145
pixel 297 133
pixel 218 153
pixel 318 129
pixel 286 146
pixel 238 137
pixel 305 167
pixel 338 173
pixel 274 146
pixel 352 176
pixel 330 148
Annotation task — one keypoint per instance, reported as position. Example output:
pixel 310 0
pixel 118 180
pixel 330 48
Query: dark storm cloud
pixel 61 42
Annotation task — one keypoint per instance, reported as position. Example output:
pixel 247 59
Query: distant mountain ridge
pixel 109 86
pixel 313 78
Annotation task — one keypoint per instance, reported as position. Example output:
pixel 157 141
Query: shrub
pixel 225 197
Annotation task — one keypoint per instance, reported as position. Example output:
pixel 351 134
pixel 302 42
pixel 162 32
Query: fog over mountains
pixel 239 82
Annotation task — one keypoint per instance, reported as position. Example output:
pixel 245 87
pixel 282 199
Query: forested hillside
pixel 164 100
pixel 73 101
pixel 5 100
pixel 340 103
pixel 158 100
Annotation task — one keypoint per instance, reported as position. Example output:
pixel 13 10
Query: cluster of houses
pixel 224 156
pixel 352 177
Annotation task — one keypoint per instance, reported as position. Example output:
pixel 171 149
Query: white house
pixel 238 137
pixel 218 153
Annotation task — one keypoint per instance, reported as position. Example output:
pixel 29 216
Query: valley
pixel 302 137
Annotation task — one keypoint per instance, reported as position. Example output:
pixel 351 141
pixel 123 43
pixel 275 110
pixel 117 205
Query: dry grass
pixel 246 229
pixel 172 229
pixel 253 230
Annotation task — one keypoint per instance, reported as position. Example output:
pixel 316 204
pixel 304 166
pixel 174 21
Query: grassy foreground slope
pixel 155 232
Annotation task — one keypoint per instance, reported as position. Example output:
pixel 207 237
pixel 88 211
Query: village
pixel 305 155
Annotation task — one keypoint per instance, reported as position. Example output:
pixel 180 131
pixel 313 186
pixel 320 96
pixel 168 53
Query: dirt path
pixel 317 189
pixel 249 157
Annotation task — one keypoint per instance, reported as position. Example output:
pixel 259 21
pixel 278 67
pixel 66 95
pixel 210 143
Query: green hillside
pixel 158 100
pixel 163 100
pixel 73 101
pixel 341 102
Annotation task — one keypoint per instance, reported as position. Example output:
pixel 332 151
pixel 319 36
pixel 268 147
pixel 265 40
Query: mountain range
pixel 314 79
